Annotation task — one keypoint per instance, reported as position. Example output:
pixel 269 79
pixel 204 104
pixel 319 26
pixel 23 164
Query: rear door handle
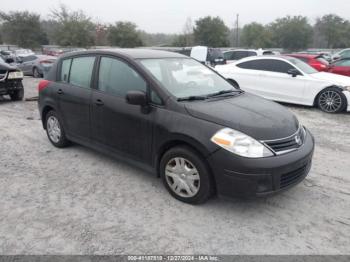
pixel 60 92
pixel 99 102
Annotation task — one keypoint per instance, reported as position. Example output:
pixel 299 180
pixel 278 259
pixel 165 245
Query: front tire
pixel 55 131
pixel 186 175
pixel 18 94
pixel 331 100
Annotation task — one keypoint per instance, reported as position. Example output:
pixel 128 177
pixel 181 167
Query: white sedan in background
pixel 290 80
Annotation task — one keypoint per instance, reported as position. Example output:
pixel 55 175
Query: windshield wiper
pixel 225 92
pixel 192 98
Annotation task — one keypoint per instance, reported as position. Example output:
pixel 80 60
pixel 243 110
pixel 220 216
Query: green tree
pixel 211 31
pixel 334 30
pixel 292 33
pixel 73 28
pixel 255 35
pixel 124 34
pixel 22 29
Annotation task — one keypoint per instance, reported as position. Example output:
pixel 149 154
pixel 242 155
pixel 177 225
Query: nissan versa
pixel 172 115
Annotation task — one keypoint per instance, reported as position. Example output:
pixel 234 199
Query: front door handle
pixel 60 92
pixel 99 102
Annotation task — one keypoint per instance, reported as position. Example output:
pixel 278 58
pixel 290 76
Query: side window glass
pixel 65 69
pixel 280 66
pixel 247 65
pixel 116 77
pixel 81 71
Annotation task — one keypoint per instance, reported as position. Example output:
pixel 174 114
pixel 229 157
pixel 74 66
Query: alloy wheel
pixel 54 129
pixel 182 177
pixel 330 101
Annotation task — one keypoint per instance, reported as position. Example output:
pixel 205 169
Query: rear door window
pixel 81 71
pixel 117 78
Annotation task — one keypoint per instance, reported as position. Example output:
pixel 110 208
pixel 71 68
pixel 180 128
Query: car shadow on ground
pixel 215 202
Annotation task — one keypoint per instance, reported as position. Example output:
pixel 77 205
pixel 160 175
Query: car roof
pixel 133 53
pixel 251 50
pixel 252 58
pixel 303 55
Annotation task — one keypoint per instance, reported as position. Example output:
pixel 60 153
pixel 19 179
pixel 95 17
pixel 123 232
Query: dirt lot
pixel 77 201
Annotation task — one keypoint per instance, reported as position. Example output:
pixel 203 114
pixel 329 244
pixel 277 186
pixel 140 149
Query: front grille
pixel 294 176
pixel 280 146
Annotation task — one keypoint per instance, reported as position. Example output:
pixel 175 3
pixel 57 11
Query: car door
pixel 276 84
pixel 74 92
pixel 121 127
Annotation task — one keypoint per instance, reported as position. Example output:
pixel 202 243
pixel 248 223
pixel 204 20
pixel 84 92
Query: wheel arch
pixel 44 112
pixel 331 86
pixel 179 140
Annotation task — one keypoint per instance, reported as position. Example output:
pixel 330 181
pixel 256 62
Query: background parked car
pixel 7 56
pixel 316 61
pixel 234 55
pixel 290 80
pixel 11 81
pixel 36 65
pixel 345 53
pixel 23 52
pixel 209 56
pixel 341 67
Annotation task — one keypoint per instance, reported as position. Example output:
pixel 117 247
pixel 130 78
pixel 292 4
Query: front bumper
pixel 247 177
pixel 9 86
pixel 347 95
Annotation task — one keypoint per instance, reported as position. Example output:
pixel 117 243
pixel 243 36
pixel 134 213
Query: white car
pixel 290 80
pixel 233 55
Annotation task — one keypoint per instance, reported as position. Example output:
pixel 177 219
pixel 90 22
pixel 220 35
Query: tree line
pixel 67 27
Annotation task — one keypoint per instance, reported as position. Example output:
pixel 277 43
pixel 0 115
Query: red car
pixel 341 67
pixel 316 61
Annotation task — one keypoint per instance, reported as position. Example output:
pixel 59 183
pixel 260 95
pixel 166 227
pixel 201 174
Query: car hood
pixel 7 67
pixel 247 113
pixel 331 78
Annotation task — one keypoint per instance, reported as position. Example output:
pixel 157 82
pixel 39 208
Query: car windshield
pixel 302 66
pixel 185 77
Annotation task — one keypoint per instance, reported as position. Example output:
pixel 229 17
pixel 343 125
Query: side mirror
pixel 136 98
pixel 293 72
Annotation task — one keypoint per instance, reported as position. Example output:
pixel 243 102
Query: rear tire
pixel 55 131
pixel 186 175
pixel 331 100
pixel 17 95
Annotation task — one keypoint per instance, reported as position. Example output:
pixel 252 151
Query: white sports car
pixel 290 80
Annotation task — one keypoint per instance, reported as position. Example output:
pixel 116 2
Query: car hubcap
pixel 330 101
pixel 182 177
pixel 54 129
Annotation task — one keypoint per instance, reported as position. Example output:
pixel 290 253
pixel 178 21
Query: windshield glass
pixel 302 65
pixel 184 77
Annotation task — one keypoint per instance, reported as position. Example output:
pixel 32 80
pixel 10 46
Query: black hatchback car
pixel 172 115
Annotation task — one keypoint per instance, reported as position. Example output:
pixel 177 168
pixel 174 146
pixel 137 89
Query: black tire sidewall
pixel 18 95
pixel 343 100
pixel 63 142
pixel 206 181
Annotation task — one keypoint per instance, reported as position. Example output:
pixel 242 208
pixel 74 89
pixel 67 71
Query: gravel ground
pixel 77 201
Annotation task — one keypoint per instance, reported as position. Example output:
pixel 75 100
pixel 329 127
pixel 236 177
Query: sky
pixel 169 16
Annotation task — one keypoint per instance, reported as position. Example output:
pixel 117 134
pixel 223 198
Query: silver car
pixel 35 65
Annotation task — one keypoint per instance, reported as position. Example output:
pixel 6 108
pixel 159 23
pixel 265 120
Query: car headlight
pixel 15 75
pixel 240 144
